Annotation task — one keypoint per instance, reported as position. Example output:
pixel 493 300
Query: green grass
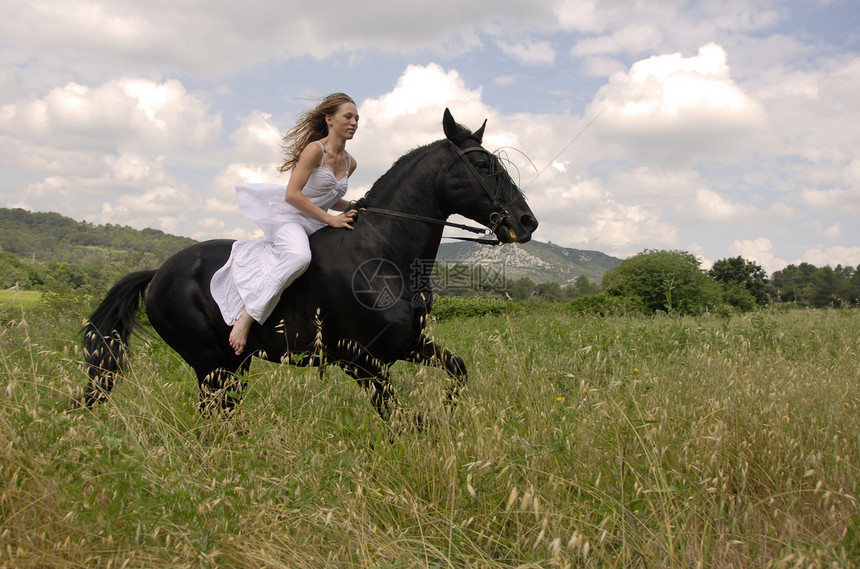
pixel 579 442
pixel 16 300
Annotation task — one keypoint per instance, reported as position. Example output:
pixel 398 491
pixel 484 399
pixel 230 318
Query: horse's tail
pixel 106 333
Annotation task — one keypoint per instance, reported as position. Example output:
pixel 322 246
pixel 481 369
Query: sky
pixel 721 127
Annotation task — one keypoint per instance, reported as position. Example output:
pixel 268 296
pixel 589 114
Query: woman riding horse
pixel 399 227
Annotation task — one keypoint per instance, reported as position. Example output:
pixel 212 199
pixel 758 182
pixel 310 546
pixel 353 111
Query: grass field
pixel 12 300
pixel 579 442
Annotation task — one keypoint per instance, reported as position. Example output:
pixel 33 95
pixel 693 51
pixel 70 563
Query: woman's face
pixel 344 121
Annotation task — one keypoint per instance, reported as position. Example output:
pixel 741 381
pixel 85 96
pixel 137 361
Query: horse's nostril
pixel 528 222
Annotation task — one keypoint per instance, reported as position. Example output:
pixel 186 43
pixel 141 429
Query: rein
pixel 393 213
pixel 496 218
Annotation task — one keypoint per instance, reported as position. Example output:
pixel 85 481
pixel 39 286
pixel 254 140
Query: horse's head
pixel 479 187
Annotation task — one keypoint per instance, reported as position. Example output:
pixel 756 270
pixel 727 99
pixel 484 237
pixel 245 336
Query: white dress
pixel 258 271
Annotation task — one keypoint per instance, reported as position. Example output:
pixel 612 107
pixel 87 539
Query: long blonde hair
pixel 311 126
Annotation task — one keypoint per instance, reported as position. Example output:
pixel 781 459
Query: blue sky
pixel 722 128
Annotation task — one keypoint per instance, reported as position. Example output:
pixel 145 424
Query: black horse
pixel 361 304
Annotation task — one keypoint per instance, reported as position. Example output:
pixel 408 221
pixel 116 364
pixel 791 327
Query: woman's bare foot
pixel 239 333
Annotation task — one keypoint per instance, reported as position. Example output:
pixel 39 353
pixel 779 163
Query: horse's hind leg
pixel 105 356
pixel 429 353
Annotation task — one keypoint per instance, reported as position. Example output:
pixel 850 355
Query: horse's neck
pixel 410 187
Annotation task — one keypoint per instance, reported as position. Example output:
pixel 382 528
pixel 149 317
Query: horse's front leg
pixel 221 390
pixel 429 353
pixel 372 375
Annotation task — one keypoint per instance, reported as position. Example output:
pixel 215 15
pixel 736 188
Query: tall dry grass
pixel 579 442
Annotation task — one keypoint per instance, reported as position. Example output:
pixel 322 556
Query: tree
pixel 792 280
pixel 549 290
pixel 854 287
pixel 826 288
pixel 671 281
pixel 585 287
pixel 521 288
pixel 744 282
pixel 14 272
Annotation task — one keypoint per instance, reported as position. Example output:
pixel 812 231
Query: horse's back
pixel 180 306
pixel 190 270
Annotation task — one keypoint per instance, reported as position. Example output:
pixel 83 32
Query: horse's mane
pixel 498 169
pixel 383 181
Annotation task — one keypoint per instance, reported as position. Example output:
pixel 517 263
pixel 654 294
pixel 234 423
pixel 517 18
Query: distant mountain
pixel 541 262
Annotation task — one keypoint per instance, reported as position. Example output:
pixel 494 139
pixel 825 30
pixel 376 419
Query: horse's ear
pixel 450 126
pixel 457 132
pixel 479 134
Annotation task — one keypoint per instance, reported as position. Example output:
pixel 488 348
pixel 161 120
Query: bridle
pixel 496 218
pixel 501 214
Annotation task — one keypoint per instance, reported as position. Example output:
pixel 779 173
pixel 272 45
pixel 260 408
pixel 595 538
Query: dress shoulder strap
pixel 322 162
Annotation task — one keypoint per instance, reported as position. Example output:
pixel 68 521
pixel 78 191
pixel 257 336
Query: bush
pixel 593 304
pixel 737 295
pixel 467 307
pixel 669 281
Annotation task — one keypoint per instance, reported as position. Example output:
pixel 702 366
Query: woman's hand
pixel 344 219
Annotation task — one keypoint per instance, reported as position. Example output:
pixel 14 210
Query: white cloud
pixel 833 256
pixel 419 88
pixel 596 66
pixel 222 188
pixel 587 214
pixel 833 232
pixel 852 173
pixel 130 190
pixel 739 15
pixel 634 39
pixel 808 106
pixel 580 15
pixel 759 250
pixel 160 200
pixel 832 199
pixel 127 112
pixel 714 207
pixel 214 38
pixel 254 157
pixel 669 108
pixel 103 149
pixel 164 207
pixel 595 17
pixel 657 185
pixel 506 80
pixel 529 52
pixel 256 146
pixel 411 115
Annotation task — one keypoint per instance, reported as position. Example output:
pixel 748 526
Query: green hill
pixel 38 249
